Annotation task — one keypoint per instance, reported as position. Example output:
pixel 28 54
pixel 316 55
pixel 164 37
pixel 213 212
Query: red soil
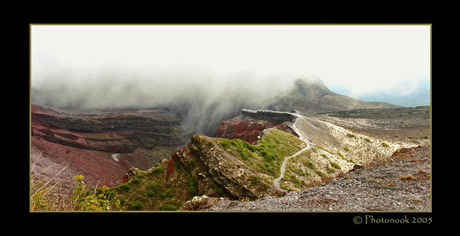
pixel 248 130
pixel 170 169
pixel 95 165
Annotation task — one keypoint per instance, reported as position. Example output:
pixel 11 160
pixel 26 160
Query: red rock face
pixel 183 156
pixel 102 147
pixel 249 130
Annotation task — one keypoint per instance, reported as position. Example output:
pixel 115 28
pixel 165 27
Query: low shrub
pixel 84 200
pixel 168 207
pixel 135 206
pixel 335 165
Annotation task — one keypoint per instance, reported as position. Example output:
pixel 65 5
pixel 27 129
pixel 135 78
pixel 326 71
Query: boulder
pixel 199 203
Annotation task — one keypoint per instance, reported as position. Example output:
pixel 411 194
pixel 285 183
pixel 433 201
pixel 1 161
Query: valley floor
pixel 401 183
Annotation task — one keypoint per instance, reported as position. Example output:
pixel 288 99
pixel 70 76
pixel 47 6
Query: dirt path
pixel 276 181
pixel 384 186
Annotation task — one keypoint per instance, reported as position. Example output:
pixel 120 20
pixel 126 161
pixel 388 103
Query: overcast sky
pixel 360 59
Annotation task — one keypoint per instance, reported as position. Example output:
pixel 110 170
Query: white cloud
pixel 359 58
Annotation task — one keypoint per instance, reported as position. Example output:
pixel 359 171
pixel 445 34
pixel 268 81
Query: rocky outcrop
pixel 199 203
pixel 250 129
pixel 225 170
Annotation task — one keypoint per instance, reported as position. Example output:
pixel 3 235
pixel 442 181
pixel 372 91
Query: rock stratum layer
pixel 103 145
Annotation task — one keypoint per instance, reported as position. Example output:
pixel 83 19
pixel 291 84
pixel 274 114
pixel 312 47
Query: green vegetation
pixel 309 169
pixel 385 144
pixel 81 199
pixel 157 171
pixel 335 165
pixel 267 155
pixel 330 170
pixel 210 144
pixel 296 181
pixel 309 164
pixel 135 206
pixel 306 153
pixel 321 174
pixel 168 207
pixel 244 149
pixel 152 191
pixel 89 200
pixel 421 137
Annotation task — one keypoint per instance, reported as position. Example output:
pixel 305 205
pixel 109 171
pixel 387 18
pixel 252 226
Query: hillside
pixel 207 166
pixel 400 183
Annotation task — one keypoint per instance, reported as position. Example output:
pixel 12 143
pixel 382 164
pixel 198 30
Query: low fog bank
pixel 201 98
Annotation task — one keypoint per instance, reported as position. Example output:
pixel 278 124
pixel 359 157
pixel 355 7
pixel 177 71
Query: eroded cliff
pixel 104 145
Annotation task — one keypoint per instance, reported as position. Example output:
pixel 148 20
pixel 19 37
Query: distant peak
pixel 311 88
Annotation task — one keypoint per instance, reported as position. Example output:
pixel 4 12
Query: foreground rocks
pixel 401 183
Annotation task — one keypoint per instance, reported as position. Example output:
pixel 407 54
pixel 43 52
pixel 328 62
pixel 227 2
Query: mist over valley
pixel 199 98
